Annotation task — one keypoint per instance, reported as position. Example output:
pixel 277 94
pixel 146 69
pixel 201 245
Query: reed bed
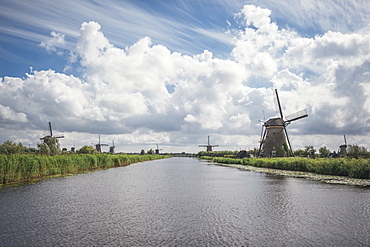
pixel 353 168
pixel 25 167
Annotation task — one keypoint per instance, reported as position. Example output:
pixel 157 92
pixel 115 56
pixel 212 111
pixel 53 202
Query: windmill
pixel 99 145
pixel 111 148
pixel 343 148
pixel 209 146
pixel 47 138
pixel 157 150
pixel 275 140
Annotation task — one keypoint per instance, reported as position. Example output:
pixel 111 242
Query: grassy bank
pixel 353 168
pixel 25 167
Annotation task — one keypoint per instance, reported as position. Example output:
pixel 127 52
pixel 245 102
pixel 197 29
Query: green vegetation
pixel 351 167
pixel 26 167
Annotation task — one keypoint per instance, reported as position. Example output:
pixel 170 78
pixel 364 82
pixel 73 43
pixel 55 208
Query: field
pixel 353 168
pixel 27 167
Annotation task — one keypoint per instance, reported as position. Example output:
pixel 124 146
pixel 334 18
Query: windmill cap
pixel 274 122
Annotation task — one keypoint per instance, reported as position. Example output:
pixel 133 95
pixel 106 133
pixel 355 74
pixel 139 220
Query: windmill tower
pixel 99 145
pixel 47 138
pixel 343 148
pixel 209 146
pixel 157 150
pixel 275 140
pixel 111 148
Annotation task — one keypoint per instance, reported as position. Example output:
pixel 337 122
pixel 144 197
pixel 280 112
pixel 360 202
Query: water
pixel 183 202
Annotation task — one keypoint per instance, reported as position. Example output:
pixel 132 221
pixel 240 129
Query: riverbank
pixel 19 168
pixel 243 164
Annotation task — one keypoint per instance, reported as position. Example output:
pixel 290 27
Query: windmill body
pixel 111 148
pixel 209 146
pixel 275 141
pixel 47 138
pixel 99 145
pixel 343 148
pixel 157 150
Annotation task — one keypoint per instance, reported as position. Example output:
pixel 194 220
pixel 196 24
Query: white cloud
pixel 56 40
pixel 8 114
pixel 125 91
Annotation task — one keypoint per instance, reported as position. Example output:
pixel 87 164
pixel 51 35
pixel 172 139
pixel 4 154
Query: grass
pixel 26 167
pixel 353 168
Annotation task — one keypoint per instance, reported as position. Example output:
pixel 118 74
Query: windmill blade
pixel 278 103
pixel 345 140
pixel 295 116
pixel 59 137
pixel 51 132
pixel 287 137
pixel 262 137
pixel 214 145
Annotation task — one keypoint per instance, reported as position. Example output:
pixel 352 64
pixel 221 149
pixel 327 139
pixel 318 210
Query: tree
pixel 150 151
pixel 10 147
pixel 355 151
pixel 142 152
pixel 53 144
pixel 43 148
pixel 324 152
pixel 87 150
pixel 310 151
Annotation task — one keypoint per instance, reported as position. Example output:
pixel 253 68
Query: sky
pixel 171 73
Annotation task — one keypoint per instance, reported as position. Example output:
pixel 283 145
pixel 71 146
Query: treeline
pixel 352 151
pixel 353 168
pixel 25 167
pixel 49 147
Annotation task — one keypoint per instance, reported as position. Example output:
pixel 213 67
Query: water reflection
pixel 182 201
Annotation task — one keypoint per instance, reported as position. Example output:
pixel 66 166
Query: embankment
pixel 339 171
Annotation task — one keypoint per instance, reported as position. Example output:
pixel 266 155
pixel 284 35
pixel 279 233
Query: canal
pixel 183 202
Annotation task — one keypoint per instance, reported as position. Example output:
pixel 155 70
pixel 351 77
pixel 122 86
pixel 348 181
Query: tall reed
pixel 23 167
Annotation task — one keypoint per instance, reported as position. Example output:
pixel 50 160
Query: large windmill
pixel 47 138
pixel 209 146
pixel 99 145
pixel 275 141
pixel 157 150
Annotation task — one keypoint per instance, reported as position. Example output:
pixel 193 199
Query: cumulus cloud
pixel 8 114
pixel 56 41
pixel 145 91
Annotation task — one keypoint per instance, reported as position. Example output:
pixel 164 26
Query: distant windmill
pixel 73 149
pixel 209 146
pixel 111 148
pixel 157 150
pixel 99 145
pixel 46 138
pixel 275 140
pixel 343 148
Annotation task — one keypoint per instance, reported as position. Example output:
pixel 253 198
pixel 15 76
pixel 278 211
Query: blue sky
pixel 182 70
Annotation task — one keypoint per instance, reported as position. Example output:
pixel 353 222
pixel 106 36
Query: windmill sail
pixel 297 115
